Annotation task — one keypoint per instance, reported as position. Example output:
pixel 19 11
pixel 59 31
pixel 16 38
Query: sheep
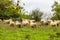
pixel 11 23
pixel 18 24
pixel 53 23
pixel 7 21
pixel 25 22
pixel 33 24
pixel 49 20
pixel 57 22
pixel 44 22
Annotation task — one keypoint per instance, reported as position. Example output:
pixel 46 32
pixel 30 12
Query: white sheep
pixel 49 20
pixel 25 22
pixel 44 22
pixel 53 23
pixel 58 22
pixel 18 24
pixel 7 21
pixel 12 23
pixel 33 24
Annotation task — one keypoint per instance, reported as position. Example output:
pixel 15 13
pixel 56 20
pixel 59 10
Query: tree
pixel 8 9
pixel 36 14
pixel 56 10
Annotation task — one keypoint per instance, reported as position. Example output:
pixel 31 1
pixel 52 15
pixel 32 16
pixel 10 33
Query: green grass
pixel 42 33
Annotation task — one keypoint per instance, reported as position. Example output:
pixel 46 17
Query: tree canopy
pixel 56 10
pixel 8 9
pixel 36 14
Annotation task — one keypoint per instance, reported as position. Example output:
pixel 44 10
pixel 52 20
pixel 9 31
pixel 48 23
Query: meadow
pixel 27 33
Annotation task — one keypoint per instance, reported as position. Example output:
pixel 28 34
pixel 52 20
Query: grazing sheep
pixel 53 23
pixel 25 22
pixel 33 24
pixel 49 21
pixel 44 22
pixel 11 23
pixel 7 21
pixel 18 24
pixel 58 22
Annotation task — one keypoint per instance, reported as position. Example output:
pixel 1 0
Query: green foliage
pixel 25 16
pixel 56 10
pixel 36 14
pixel 8 9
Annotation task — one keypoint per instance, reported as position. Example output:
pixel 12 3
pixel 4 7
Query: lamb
pixel 18 24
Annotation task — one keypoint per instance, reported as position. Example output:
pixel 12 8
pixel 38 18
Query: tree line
pixel 10 10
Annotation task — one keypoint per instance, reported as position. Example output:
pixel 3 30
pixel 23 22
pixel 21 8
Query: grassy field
pixel 27 33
